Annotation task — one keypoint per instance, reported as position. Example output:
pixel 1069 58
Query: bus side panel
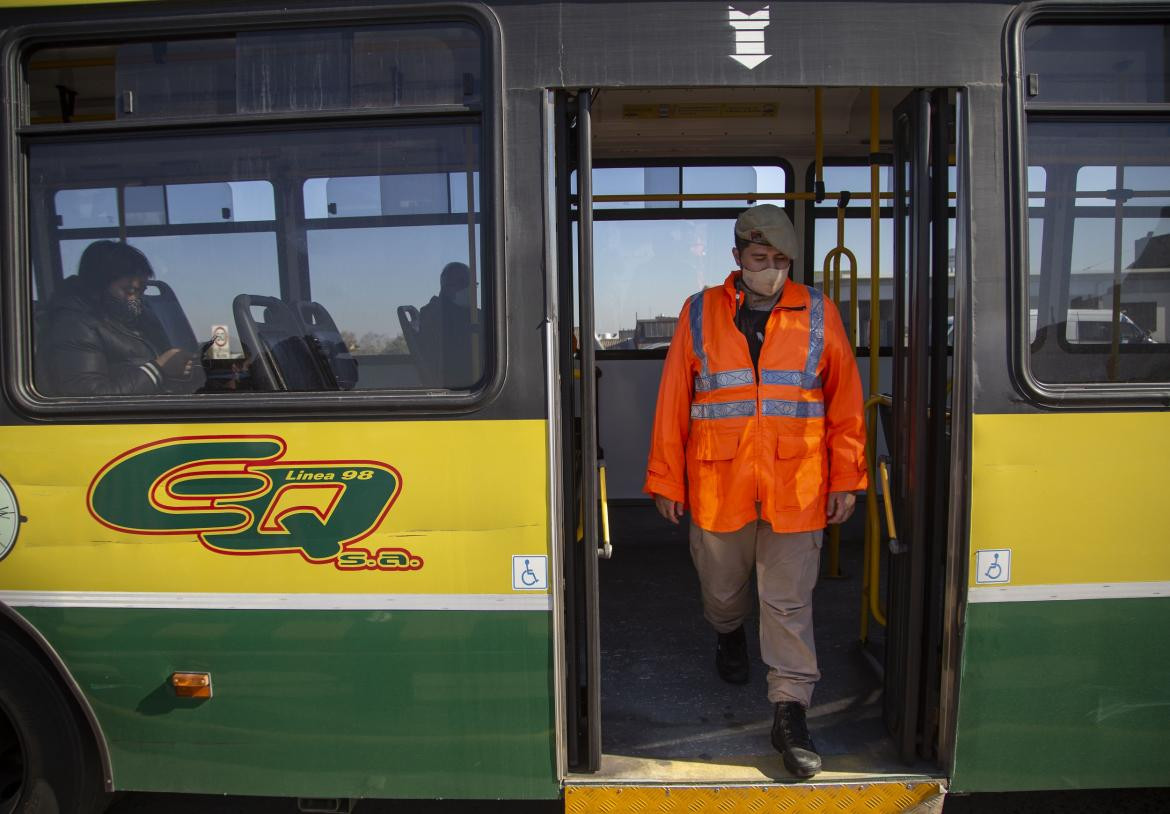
pixel 406 704
pixel 371 600
pixel 1065 660
pixel 1067 694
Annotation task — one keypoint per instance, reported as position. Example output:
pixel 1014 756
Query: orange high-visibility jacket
pixel 726 438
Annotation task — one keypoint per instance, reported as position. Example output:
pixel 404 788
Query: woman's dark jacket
pixel 83 352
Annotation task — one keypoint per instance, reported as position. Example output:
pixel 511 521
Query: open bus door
pixel 578 400
pixel 919 434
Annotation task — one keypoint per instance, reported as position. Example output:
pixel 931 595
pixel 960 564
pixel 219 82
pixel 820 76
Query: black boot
pixel 791 739
pixel 731 656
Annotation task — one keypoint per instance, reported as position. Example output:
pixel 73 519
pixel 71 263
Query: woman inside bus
pixel 99 338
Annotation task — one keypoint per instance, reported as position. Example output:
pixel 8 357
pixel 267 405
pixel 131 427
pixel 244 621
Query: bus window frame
pixel 16 283
pixel 680 212
pixel 1058 395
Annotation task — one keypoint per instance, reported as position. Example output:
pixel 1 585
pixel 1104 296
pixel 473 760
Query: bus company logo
pixel 239 495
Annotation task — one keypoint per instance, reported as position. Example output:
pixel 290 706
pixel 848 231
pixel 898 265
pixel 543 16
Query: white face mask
pixel 767 282
pixel 461 298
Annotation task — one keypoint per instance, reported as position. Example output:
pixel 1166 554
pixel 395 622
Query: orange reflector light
pixel 191 685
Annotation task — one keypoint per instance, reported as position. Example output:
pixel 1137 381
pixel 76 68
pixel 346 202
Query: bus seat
pixel 409 320
pixel 275 343
pixel 327 342
pixel 164 305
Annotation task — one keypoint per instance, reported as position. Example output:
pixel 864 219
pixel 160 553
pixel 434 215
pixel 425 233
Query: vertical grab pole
pixel 818 122
pixel 834 564
pixel 870 581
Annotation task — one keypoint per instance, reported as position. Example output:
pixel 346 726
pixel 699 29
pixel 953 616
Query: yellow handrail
pixel 885 470
pixel 869 588
pixel 606 547
pixel 870 581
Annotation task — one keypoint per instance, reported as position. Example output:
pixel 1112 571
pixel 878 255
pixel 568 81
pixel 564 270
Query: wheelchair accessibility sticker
pixel 529 572
pixel 993 566
pixel 238 494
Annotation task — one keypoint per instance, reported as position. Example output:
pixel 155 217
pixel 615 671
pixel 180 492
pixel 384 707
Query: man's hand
pixel 672 510
pixel 839 507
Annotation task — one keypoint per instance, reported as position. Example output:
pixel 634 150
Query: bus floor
pixel 666 714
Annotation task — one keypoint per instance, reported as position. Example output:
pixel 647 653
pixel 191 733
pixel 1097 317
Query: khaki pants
pixel 786 571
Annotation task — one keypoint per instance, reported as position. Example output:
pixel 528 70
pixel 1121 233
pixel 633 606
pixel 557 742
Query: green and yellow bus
pixel 385 536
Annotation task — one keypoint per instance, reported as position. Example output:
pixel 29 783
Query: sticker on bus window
pixel 239 494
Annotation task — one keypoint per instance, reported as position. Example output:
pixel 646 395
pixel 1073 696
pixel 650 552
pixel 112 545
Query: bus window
pixel 306 256
pixel 1098 190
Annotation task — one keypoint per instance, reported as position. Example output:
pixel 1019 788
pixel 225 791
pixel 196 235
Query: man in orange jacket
pixel 760 433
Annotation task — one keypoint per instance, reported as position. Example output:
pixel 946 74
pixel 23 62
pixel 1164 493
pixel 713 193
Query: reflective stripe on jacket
pixel 725 438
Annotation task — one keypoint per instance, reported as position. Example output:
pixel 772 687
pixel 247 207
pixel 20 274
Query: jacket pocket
pixel 800 473
pixel 715 443
pixel 711 467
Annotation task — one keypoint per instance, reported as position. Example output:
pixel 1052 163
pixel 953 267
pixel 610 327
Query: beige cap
pixel 768 224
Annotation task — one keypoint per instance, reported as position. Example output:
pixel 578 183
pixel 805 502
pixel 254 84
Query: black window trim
pixel 15 255
pixel 1071 395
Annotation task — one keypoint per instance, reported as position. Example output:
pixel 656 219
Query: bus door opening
pixel 649 184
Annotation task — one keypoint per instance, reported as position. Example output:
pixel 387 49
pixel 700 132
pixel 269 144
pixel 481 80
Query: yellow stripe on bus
pixel 1075 498
pixel 473 496
pixel 872 798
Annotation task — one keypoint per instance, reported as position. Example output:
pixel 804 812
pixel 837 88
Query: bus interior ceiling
pixel 664 708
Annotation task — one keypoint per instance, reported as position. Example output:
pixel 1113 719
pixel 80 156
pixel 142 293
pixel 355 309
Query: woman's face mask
pixel 123 299
pixel 126 310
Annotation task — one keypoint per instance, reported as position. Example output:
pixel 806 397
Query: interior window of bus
pixel 1099 280
pixel 646 265
pixel 855 179
pixel 302 258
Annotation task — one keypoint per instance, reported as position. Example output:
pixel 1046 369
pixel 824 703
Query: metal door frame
pixel 921 453
pixel 582 678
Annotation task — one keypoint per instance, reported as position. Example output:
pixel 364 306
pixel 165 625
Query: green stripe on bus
pixel 404 704
pixel 1064 695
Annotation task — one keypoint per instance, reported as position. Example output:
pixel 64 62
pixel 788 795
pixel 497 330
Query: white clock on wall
pixel 9 518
